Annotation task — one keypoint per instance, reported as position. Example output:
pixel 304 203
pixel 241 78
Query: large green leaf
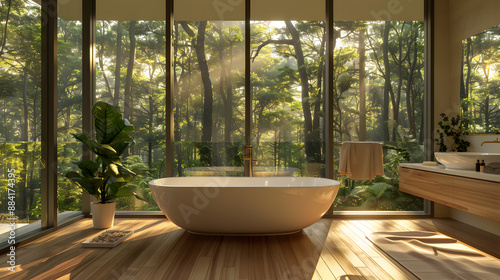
pixel 358 189
pixel 96 148
pixel 90 185
pixel 124 191
pixel 114 187
pixel 88 167
pixel 110 126
pixel 122 146
pixel 379 189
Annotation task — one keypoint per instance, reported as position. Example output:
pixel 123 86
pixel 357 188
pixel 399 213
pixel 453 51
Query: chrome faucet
pixel 494 141
pixel 248 160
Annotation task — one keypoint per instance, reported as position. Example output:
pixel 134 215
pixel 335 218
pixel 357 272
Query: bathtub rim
pixel 206 179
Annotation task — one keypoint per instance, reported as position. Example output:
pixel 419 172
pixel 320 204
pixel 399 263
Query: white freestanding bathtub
pixel 244 205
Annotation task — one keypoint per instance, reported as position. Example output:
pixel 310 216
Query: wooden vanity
pixel 469 191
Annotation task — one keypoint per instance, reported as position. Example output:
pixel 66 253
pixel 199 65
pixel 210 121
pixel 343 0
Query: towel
pixel 493 168
pixel 361 160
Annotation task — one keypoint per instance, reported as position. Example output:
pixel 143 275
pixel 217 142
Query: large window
pixel 69 111
pixel 379 70
pixel 130 74
pixel 378 92
pixel 209 93
pixel 287 85
pixel 20 125
pixel 378 95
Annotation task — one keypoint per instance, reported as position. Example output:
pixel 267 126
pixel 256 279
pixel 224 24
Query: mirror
pixel 480 81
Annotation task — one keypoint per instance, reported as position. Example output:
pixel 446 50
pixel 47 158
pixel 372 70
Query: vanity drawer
pixel 432 186
pixel 478 197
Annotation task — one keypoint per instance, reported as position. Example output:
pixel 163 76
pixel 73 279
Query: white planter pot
pixel 103 215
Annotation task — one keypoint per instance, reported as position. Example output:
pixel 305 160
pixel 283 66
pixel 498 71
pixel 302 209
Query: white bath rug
pixel 429 255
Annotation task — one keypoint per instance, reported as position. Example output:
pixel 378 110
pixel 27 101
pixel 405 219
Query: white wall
pixel 476 141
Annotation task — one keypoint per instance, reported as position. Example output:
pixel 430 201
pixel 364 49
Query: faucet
pixel 494 141
pixel 248 160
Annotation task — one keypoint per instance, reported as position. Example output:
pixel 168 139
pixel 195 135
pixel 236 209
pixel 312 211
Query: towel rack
pixel 340 145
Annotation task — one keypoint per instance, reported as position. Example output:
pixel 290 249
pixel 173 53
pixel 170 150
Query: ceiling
pixel 215 10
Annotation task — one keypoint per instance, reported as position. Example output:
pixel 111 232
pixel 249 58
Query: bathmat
pixel 429 255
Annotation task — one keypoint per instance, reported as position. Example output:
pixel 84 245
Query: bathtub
pixel 244 205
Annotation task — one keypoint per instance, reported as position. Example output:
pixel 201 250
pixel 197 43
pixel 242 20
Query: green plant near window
pixel 106 177
pixel 450 132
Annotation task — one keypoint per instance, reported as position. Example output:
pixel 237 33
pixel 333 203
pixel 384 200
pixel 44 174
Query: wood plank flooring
pixel 329 249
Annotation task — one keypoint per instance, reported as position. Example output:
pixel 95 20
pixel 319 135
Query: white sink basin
pixel 465 160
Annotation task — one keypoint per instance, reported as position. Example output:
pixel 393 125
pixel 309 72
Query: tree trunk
pixel 150 131
pixel 127 106
pixel 362 86
pixel 318 100
pixel 4 38
pixel 410 107
pixel 207 84
pixel 468 78
pixel 199 46
pixel 127 112
pixel 487 114
pixel 228 111
pixel 23 184
pixel 26 127
pixel 387 83
pixel 206 136
pixel 396 96
pixel 116 96
pixel 306 107
pixel 177 116
pixel 222 84
pixel 464 81
pixel 101 63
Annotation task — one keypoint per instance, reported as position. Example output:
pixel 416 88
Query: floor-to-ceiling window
pixel 130 74
pixel 69 107
pixel 378 95
pixel 378 91
pixel 288 86
pixel 20 115
pixel 380 101
pixel 208 92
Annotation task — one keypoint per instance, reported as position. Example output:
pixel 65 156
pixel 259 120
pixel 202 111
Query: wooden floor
pixel 329 249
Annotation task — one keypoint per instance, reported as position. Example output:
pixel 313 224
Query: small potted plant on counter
pixel 450 134
pixel 106 177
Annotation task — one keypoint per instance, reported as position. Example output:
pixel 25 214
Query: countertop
pixel 456 172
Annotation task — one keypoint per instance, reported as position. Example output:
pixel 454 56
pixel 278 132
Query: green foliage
pixel 380 194
pixel 278 110
pixel 450 134
pixel 480 81
pixel 106 177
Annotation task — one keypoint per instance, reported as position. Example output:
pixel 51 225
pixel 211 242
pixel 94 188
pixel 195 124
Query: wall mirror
pixel 480 81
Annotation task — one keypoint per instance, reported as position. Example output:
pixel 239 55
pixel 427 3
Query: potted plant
pixel 450 134
pixel 106 177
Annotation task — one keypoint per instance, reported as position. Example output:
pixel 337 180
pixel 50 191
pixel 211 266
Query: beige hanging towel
pixel 361 160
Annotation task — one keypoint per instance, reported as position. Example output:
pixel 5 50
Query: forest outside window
pixel 378 90
pixel 20 126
